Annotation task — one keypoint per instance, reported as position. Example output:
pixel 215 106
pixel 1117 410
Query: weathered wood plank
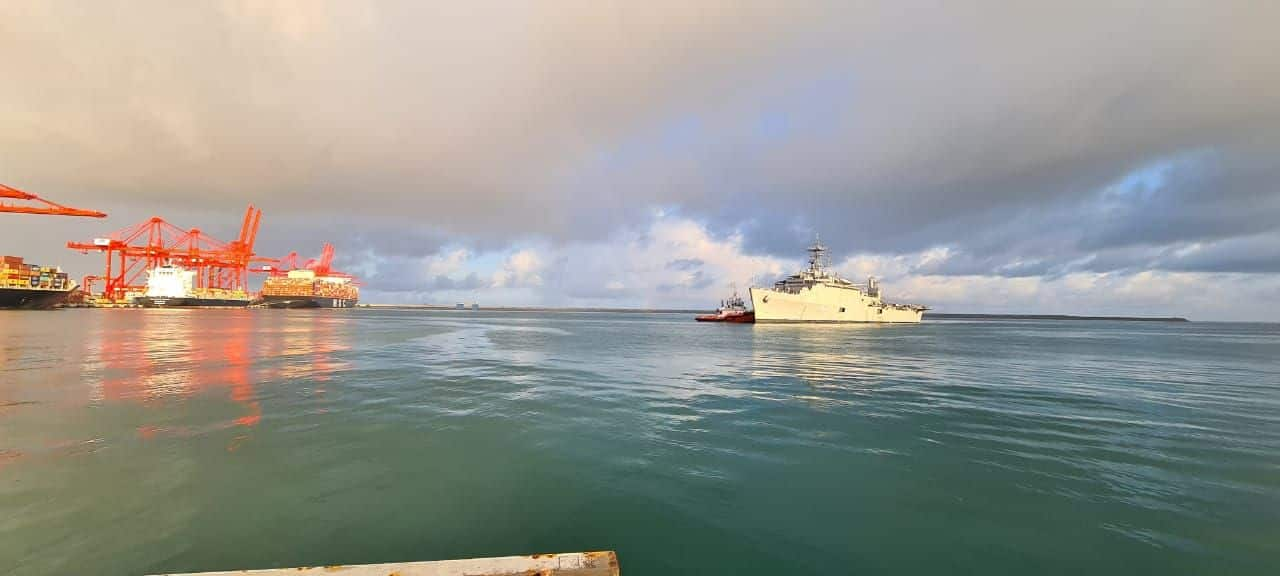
pixel 570 564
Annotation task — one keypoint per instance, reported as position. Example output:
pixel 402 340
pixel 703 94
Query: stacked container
pixel 221 294
pixel 340 288
pixel 308 285
pixel 17 274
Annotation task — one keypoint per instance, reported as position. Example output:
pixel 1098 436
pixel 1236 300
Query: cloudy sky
pixel 1074 157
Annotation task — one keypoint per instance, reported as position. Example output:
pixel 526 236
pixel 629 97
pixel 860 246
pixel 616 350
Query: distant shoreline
pixel 927 315
pixel 1054 317
pixel 531 309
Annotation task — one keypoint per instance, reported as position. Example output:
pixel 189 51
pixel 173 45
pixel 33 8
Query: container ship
pixel 25 285
pixel 172 286
pixel 306 289
pixel 817 294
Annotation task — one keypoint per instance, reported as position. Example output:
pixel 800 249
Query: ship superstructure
pixel 170 286
pixel 818 294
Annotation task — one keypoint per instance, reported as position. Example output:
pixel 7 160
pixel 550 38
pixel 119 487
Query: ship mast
pixel 819 261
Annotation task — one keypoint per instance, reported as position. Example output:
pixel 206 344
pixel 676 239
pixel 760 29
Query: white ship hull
pixel 825 303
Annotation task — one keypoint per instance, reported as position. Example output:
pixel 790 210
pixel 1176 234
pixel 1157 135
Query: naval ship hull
pixel 828 304
pixel 192 302
pixel 32 298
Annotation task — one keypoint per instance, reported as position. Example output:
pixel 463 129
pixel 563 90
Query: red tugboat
pixel 731 310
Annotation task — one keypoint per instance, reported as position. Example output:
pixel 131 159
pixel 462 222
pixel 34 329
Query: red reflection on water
pixel 119 357
pixel 151 356
pixel 154 356
pixel 8 457
pixel 238 359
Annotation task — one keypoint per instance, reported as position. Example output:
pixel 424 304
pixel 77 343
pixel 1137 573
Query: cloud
pixel 1200 296
pixel 631 268
pixel 445 263
pixel 890 117
pixel 444 283
pixel 522 268
pixel 634 269
pixel 685 264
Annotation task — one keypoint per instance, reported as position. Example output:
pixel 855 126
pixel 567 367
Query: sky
pixel 1035 157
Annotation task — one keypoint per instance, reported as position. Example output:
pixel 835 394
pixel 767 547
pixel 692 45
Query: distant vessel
pixel 732 309
pixel 305 289
pixel 172 286
pixel 817 294
pixel 25 285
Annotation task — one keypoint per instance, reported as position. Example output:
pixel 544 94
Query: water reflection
pixel 824 357
pixel 442 422
pixel 315 339
pixel 238 359
pixel 153 358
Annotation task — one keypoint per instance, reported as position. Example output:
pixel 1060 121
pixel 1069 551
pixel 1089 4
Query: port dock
pixel 569 564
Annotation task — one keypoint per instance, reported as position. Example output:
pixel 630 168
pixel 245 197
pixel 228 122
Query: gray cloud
pixel 441 282
pixel 1253 254
pixel 1220 196
pixel 692 281
pixel 685 264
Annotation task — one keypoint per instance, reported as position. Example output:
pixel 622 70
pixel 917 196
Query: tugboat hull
pixel 737 318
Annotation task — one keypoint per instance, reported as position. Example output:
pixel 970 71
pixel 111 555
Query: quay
pixel 569 564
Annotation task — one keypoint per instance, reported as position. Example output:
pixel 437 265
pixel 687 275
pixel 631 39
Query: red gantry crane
pixel 43 207
pixel 133 250
pixel 322 267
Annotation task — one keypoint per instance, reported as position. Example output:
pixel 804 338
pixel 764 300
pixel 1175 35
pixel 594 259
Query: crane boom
pixel 47 207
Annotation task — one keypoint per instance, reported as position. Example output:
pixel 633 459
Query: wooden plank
pixel 570 564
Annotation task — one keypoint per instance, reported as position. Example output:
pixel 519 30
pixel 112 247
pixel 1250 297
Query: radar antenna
pixel 819 260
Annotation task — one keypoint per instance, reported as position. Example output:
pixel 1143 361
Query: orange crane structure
pixel 322 267
pixel 133 250
pixel 43 207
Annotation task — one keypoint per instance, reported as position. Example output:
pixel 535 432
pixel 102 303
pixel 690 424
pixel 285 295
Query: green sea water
pixel 150 441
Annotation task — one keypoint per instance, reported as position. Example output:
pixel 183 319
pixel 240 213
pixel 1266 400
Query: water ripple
pixel 255 438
